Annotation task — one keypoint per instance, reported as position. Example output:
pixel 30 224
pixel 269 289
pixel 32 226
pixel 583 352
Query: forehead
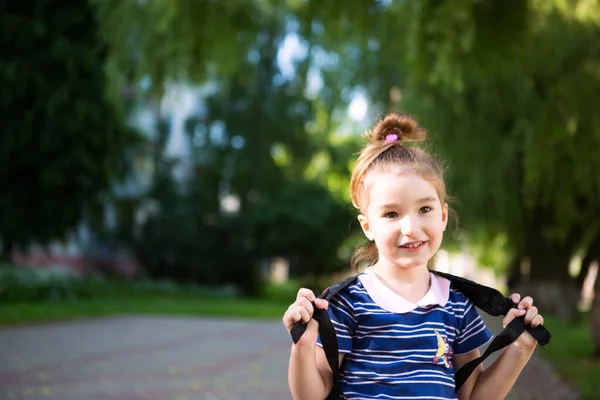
pixel 398 187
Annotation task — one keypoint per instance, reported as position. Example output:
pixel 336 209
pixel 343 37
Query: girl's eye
pixel 391 214
pixel 425 210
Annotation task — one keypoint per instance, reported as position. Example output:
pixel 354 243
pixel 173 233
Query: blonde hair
pixel 387 147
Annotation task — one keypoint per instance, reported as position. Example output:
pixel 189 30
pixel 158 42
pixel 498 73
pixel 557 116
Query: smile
pixel 413 246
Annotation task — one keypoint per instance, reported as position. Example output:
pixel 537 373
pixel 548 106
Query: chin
pixel 412 264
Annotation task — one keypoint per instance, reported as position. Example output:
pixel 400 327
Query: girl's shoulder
pixel 456 295
pixel 350 290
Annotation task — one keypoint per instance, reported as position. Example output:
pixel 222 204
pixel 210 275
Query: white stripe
pixel 438 373
pixel 406 361
pixel 384 351
pixel 464 339
pixel 392 337
pixel 334 306
pixel 403 382
pixel 413 358
pixel 377 378
pixel 423 325
pixel 385 396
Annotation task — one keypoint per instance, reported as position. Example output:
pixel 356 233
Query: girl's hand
pixel 302 310
pixel 525 308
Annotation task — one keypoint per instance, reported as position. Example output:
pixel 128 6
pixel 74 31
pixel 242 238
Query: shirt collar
pixel 384 297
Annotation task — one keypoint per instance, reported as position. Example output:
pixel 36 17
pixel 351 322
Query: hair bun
pixel 403 125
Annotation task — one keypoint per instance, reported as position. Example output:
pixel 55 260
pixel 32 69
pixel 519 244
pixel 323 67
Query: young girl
pixel 402 331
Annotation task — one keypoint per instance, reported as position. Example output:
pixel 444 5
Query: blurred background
pixel 192 157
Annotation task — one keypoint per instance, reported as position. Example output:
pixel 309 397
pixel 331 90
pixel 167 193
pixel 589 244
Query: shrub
pixel 32 284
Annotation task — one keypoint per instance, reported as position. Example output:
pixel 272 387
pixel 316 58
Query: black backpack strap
pixel 327 332
pixel 494 303
pixel 486 298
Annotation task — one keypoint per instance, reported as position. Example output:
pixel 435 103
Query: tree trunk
pixel 549 283
pixel 595 316
pixel 592 254
pixel 6 252
pixel 515 276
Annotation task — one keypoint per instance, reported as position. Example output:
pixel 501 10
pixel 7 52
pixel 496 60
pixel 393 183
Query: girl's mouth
pixel 413 246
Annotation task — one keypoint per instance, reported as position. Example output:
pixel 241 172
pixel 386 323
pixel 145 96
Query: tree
pixel 305 224
pixel 255 140
pixel 166 41
pixel 63 143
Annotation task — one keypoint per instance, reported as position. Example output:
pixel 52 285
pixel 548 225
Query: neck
pixel 410 283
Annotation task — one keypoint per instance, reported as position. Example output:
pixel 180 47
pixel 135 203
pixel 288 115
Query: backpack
pixel 483 297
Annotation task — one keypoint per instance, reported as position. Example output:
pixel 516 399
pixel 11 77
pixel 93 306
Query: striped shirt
pixel 395 349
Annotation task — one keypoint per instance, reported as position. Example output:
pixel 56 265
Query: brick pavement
pixel 162 358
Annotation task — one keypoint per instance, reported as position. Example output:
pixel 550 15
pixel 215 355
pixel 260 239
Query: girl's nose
pixel 409 225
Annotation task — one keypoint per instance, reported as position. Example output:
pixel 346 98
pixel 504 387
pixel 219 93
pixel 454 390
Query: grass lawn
pixel 190 305
pixel 569 351
pixel 31 295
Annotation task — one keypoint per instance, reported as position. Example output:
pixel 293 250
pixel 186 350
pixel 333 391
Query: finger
pixel 299 314
pixel 294 315
pixel 303 302
pixel 537 321
pixel 531 314
pixel 287 319
pixel 512 314
pixel 322 303
pixel 306 293
pixel 526 303
pixel 306 316
pixel 515 297
pixel 290 318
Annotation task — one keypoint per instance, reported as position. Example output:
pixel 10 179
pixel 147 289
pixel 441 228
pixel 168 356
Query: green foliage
pixel 284 293
pixel 188 239
pixel 51 284
pixel 63 144
pixel 60 285
pixel 254 142
pixel 169 40
pixel 306 225
pixel 191 239
pixel 507 91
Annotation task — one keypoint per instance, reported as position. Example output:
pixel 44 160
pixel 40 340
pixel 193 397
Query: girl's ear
pixel 445 215
pixel 364 224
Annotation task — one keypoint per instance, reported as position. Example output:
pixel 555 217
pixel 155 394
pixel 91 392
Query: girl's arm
pixel 498 379
pixel 309 375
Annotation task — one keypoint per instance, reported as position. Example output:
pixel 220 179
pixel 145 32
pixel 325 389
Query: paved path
pixel 135 358
pixel 160 358
pixel 537 381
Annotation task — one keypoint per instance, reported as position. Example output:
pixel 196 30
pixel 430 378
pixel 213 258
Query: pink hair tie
pixel 393 136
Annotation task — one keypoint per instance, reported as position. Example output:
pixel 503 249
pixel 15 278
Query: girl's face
pixel 405 218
